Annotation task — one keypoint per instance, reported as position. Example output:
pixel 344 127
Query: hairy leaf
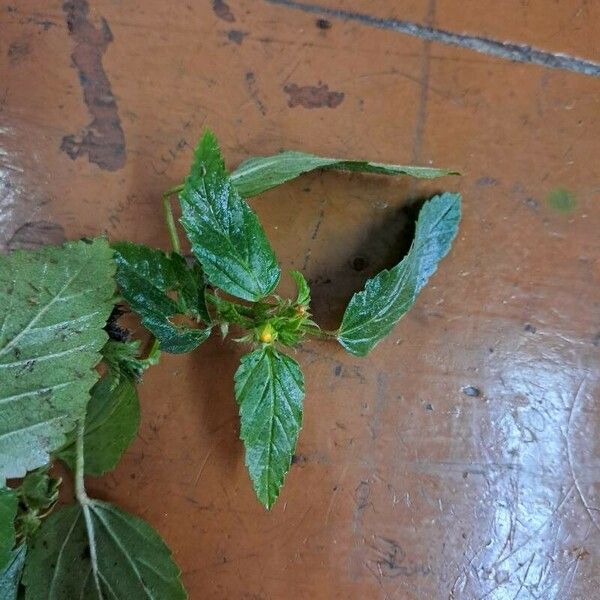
pixel 54 303
pixel 118 556
pixel 262 173
pixel 8 512
pixel 111 424
pixel 373 312
pixel 225 233
pixel 10 575
pixel 145 277
pixel 269 388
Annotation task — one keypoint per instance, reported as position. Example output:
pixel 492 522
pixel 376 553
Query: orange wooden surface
pixel 460 459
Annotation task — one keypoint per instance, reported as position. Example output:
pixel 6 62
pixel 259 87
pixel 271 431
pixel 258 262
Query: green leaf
pixel 262 173
pixel 225 233
pixel 373 312
pixel 269 388
pixel 8 512
pixel 10 575
pixel 111 424
pixel 118 556
pixel 303 297
pixel 54 303
pixel 146 276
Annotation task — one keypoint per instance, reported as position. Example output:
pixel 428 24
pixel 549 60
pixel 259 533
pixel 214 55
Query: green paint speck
pixel 561 199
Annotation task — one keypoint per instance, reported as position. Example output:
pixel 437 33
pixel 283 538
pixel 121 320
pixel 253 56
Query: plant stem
pixel 80 492
pixel 84 500
pixel 170 221
pixel 320 333
pixel 174 190
pixel 153 345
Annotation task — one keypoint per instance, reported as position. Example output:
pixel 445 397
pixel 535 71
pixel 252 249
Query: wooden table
pixel 461 458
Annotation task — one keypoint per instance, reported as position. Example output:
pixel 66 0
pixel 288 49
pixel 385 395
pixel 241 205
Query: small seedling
pixel 68 370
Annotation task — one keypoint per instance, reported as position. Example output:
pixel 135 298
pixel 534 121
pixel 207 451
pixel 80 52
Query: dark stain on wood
pixel 45 24
pixel 103 139
pixel 253 91
pixel 222 10
pixel 236 36
pixel 486 182
pixel 312 96
pixel 35 234
pixel 471 391
pixel 323 24
pixel 17 51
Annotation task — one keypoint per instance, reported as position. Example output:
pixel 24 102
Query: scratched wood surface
pixel 460 459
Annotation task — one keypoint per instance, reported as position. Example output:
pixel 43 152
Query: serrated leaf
pixel 10 575
pixel 119 556
pixel 269 388
pixel 262 173
pixel 146 276
pixel 8 512
pixel 303 297
pixel 111 423
pixel 54 303
pixel 225 233
pixel 373 312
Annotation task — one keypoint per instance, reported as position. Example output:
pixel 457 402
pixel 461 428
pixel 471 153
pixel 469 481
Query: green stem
pixel 80 492
pixel 320 333
pixel 170 221
pixel 174 190
pixel 84 500
pixel 153 345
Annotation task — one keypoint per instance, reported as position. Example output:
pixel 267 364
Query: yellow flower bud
pixel 267 334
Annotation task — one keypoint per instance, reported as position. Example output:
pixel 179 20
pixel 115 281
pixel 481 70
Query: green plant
pixel 58 335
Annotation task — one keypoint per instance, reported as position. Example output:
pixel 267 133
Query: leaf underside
pixel 226 235
pixel 262 173
pixel 145 277
pixel 111 423
pixel 8 511
pixel 269 389
pixel 10 575
pixel 132 560
pixel 373 312
pixel 54 303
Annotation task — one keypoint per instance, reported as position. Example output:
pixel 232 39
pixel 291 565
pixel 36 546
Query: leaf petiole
pixel 170 220
pixel 174 190
pixel 80 492
pixel 319 333
pixel 84 500
pixel 153 351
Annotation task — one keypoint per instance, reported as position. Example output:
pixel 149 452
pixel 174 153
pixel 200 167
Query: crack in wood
pixel 513 51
